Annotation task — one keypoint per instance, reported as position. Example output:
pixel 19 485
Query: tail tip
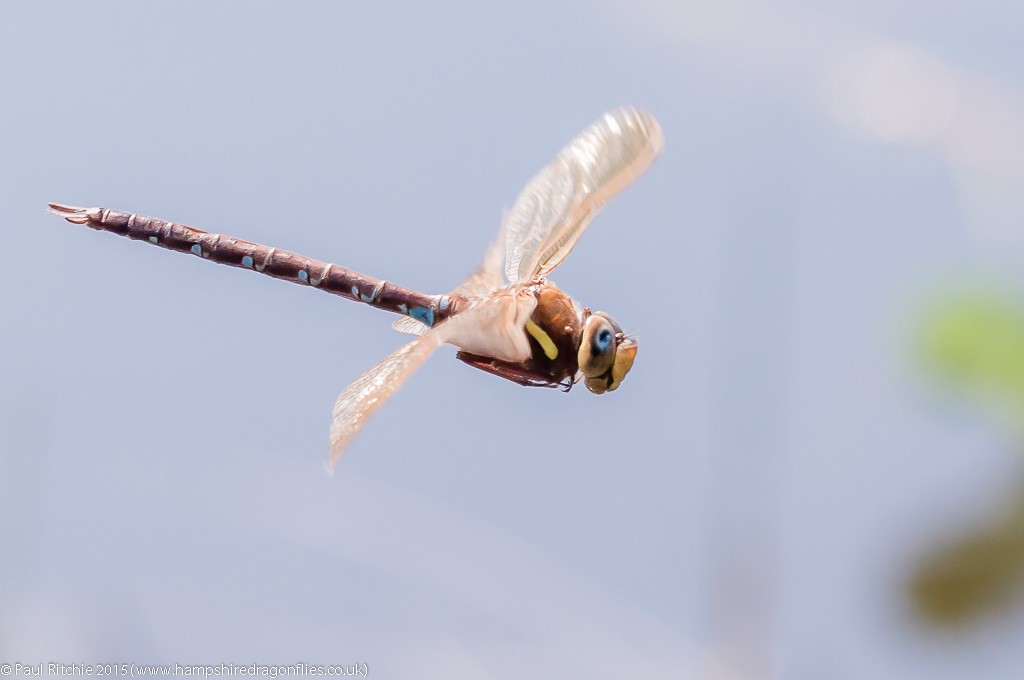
pixel 72 213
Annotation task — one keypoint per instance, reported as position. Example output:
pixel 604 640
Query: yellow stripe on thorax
pixel 545 341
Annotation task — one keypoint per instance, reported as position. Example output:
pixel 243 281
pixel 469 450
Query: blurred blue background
pixel 751 504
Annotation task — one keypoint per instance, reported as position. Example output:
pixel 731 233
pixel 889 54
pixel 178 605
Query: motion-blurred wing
pixel 359 400
pixel 554 209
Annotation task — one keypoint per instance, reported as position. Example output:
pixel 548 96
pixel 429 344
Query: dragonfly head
pixel 605 354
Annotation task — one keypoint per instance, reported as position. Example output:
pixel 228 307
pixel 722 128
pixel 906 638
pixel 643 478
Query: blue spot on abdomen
pixel 247 262
pixel 423 314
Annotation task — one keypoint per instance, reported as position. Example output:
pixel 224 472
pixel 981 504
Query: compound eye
pixel 605 354
pixel 597 349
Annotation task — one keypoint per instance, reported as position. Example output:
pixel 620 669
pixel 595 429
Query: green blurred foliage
pixel 975 341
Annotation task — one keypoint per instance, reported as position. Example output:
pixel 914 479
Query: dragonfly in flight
pixel 506 318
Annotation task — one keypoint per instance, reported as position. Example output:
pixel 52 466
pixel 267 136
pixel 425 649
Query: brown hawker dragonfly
pixel 506 318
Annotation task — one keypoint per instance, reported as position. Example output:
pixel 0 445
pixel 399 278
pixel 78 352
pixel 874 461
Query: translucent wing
pixel 358 401
pixel 493 327
pixel 554 209
pixel 407 324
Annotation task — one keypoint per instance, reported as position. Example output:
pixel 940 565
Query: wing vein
pixel 557 205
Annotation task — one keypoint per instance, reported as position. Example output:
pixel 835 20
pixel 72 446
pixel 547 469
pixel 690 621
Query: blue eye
pixel 604 338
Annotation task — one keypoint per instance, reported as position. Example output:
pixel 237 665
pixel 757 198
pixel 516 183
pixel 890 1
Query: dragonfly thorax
pixel 557 342
pixel 532 337
pixel 554 332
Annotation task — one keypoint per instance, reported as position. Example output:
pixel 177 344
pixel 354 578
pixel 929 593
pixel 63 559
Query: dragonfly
pixel 506 318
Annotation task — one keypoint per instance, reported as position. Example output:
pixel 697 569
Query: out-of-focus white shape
pixel 972 122
pixel 988 135
pixel 894 93
pixel 764 43
pixel 884 90
pixel 902 95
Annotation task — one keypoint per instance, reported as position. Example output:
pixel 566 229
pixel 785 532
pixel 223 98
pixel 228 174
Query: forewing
pixel 554 209
pixel 359 400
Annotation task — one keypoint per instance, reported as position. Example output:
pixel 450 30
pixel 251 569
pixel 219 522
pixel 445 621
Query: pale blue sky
pixel 747 504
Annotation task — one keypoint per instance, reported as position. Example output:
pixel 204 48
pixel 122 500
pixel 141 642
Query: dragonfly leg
pixel 517 373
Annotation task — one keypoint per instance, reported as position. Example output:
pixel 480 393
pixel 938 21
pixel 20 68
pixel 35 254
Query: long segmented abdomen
pixel 281 264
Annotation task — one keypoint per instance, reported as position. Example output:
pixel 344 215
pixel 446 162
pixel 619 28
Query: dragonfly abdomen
pixel 276 262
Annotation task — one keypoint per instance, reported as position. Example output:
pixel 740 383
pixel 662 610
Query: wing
pixel 407 324
pixel 554 209
pixel 358 401
pixel 494 327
